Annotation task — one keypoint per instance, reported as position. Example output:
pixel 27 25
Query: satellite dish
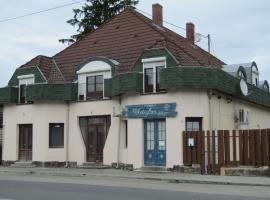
pixel 244 87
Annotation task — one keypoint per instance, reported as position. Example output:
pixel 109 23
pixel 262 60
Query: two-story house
pixel 124 94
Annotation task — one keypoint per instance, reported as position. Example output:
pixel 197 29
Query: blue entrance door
pixel 155 142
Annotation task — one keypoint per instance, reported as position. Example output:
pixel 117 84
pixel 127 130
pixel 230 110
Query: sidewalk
pixel 114 173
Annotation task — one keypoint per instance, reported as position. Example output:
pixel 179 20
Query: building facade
pixel 125 94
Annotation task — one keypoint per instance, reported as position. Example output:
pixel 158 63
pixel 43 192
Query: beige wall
pixel 40 115
pixel 189 104
pixel 224 113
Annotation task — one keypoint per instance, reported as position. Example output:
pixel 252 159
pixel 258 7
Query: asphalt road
pixel 39 188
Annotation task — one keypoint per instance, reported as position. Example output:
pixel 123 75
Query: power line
pixel 41 11
pixel 166 22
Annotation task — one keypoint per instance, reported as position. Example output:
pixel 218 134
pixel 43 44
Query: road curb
pixel 169 180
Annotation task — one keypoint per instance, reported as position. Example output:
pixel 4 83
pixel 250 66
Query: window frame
pixel 153 63
pixel 22 99
pixel 96 94
pixel 194 119
pixel 51 126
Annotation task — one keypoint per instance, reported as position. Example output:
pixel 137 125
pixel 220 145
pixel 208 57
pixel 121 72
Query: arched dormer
pixel 254 74
pixel 241 73
pixel 91 74
pixel 264 85
pixel 236 71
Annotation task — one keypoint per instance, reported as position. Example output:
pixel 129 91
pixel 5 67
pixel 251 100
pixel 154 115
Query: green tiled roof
pixel 124 83
pixel 52 92
pixel 209 78
pixel 8 95
pixel 39 78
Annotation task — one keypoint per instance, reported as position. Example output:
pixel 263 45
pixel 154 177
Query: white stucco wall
pixel 189 104
pixel 39 115
pixel 224 113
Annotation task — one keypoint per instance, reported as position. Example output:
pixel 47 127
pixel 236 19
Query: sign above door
pixel 151 111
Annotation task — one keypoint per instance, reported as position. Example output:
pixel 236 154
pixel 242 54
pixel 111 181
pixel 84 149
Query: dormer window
pixel 91 75
pixel 255 75
pixel 24 80
pixel 266 88
pixel 22 93
pixel 151 72
pixel 241 75
pixel 95 87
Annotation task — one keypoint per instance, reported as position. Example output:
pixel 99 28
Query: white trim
pixel 42 75
pixel 152 63
pixel 28 76
pixel 157 59
pixel 90 72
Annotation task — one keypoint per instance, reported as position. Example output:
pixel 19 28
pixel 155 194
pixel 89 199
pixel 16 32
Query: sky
pixel 239 29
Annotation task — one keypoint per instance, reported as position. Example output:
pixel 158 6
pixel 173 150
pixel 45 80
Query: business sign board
pixel 151 111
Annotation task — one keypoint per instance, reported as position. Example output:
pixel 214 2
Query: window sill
pixel 23 104
pixel 91 100
pixel 60 147
pixel 154 93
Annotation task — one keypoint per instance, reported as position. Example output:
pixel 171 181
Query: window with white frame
pixel 91 80
pixel 243 116
pixel 255 76
pixel 24 80
pixel 151 73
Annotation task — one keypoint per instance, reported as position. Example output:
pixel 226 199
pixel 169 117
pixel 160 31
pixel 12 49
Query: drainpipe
pixel 119 134
pixel 67 134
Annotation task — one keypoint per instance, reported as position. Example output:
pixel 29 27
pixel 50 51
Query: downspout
pixel 67 135
pixel 119 134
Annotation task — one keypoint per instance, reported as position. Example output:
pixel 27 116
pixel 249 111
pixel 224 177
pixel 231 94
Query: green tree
pixel 94 13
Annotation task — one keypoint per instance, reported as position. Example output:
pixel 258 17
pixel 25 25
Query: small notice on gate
pixel 190 142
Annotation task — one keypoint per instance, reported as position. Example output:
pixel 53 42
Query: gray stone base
pixel 194 169
pixel 122 166
pixel 247 171
pixel 42 164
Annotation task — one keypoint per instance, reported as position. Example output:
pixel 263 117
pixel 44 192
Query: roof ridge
pixel 166 37
pixel 197 58
pixel 90 33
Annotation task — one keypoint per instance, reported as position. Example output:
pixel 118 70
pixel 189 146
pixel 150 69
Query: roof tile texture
pixel 123 38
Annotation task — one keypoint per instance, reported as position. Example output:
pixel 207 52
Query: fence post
pixel 241 147
pixel 213 164
pixel 268 139
pixel 245 147
pixel 258 151
pixel 220 149
pixel 234 147
pixel 208 153
pixel 184 148
pixel 227 146
pixel 198 147
pixel 252 139
pixel 202 155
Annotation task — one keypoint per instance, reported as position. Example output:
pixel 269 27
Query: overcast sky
pixel 240 29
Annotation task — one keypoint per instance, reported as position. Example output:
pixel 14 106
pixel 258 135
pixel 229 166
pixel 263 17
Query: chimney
pixel 157 14
pixel 190 32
